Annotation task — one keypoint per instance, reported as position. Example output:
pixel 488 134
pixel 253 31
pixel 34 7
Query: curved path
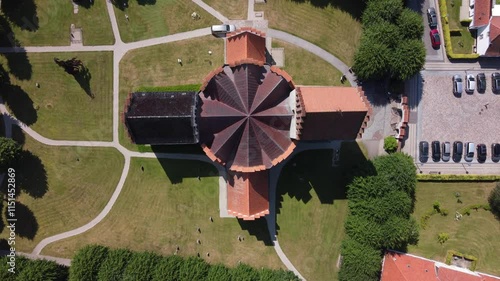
pixel 119 50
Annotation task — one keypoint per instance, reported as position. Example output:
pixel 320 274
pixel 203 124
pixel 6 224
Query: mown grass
pixel 157 66
pixel 162 18
pixel 60 108
pixel 51 21
pixel 231 9
pixel 332 25
pixel 307 68
pixel 161 208
pixel 461 44
pixel 61 188
pixel 477 234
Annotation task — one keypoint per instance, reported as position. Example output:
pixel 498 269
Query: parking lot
pixel 469 118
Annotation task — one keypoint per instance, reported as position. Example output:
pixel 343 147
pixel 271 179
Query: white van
pixel 222 29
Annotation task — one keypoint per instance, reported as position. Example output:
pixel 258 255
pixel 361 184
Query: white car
pixel 222 29
pixel 470 84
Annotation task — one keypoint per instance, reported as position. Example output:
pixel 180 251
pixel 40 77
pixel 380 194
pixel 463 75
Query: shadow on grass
pixel 120 4
pixel 146 2
pixel 22 13
pixel 83 78
pixel 32 176
pixel 353 7
pixel 19 65
pixel 20 104
pixel 29 226
pixel 18 135
pixel 85 3
pixel 177 170
pixel 257 228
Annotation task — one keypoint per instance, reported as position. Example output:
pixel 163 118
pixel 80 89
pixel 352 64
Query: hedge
pixel 438 177
pixel 451 253
pixel 446 34
pixel 177 88
pixel 27 269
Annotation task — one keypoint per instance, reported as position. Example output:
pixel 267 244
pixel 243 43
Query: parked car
pixel 423 151
pixel 470 85
pixel 495 82
pixel 446 151
pixel 222 29
pixel 435 39
pixel 469 151
pixel 481 82
pixel 436 151
pixel 457 85
pixel 495 152
pixel 458 150
pixel 481 153
pixel 432 18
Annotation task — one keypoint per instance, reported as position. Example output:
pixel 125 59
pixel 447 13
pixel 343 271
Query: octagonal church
pixel 248 116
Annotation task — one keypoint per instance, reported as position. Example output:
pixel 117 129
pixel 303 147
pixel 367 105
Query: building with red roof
pixel 485 21
pixel 398 266
pixel 248 117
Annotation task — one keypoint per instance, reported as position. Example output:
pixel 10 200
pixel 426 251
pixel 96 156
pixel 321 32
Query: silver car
pixel 457 85
pixel 446 150
pixel 469 151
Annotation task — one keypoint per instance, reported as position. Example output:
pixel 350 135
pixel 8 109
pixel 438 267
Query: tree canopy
pixel 10 151
pixel 494 200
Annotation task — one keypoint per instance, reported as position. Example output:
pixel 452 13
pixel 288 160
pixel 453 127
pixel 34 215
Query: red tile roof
pixel 482 12
pixel 248 195
pixel 405 267
pixel 245 45
pixel 330 99
pixel 494 48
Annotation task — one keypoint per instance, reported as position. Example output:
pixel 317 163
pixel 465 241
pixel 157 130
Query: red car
pixel 435 39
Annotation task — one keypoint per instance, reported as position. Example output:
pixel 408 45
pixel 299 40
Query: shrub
pixel 494 200
pixel 395 203
pixel 457 178
pixel 451 253
pixel 359 262
pixel 244 272
pixel 390 144
pixel 444 212
pixel 141 266
pixel 436 206
pixel 86 263
pixel 114 265
pixel 399 170
pixel 219 272
pixel 193 268
pixel 443 237
pixel 364 231
pixel 168 268
pixel 43 270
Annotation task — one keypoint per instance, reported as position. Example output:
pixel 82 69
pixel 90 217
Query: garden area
pixel 462 39
pixel 476 234
pixel 60 188
pixel 157 66
pixel 164 205
pixel 47 23
pixel 59 105
pixel 148 19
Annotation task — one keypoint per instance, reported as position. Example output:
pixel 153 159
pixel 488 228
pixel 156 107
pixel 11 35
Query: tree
pixel 381 10
pixel 398 169
pixel 193 268
pixel 141 266
pixel 72 66
pixel 364 231
pixel 494 200
pixel 168 269
pixel 87 262
pixel 43 270
pixel 10 151
pixel 410 24
pixel 218 272
pixel 371 60
pixel 364 188
pixel 385 33
pixel 359 262
pixel 390 144
pixel 407 59
pixel 396 203
pixel 244 272
pixel 114 265
pixel 399 232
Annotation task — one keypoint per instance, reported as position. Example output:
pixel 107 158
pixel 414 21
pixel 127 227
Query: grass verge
pixel 231 9
pixel 61 108
pixel 160 19
pixel 307 68
pixel 477 234
pixel 332 25
pixel 162 207
pixel 157 66
pixel 61 188
pixel 47 23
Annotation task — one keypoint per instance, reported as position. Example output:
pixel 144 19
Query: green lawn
pixel 157 66
pixel 307 68
pixel 463 43
pixel 60 108
pixel 312 210
pixel 328 24
pixel 61 188
pixel 161 207
pixel 163 18
pixel 50 22
pixel 231 9
pixel 477 234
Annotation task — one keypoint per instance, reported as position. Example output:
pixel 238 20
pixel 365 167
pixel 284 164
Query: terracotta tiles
pixel 245 45
pixel 482 12
pixel 494 48
pixel 248 195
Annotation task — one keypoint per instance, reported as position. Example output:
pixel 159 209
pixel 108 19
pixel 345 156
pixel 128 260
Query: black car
pixel 481 153
pixel 481 82
pixel 436 151
pixel 432 18
pixel 423 151
pixel 458 151
pixel 495 152
pixel 495 82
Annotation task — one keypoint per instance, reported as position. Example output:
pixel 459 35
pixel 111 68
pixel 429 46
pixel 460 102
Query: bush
pixel 244 272
pixel 35 270
pixel 494 200
pixel 399 232
pixel 114 265
pixel 395 203
pixel 141 266
pixel 443 237
pixel 359 262
pixel 399 170
pixel 168 269
pixel 193 268
pixel 390 144
pixel 364 231
pixel 87 262
pixel 451 253
pixel 219 272
pixel 457 178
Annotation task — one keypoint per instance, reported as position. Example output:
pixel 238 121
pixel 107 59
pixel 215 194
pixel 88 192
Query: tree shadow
pixel 176 170
pixel 27 225
pixel 4 245
pixel 20 104
pixel 83 78
pixel 120 4
pixel 85 3
pixel 353 7
pixel 146 2
pixel 4 77
pixel 21 13
pixel 2 223
pixel 31 175
pixel 19 65
pixel 18 135
pixel 257 228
